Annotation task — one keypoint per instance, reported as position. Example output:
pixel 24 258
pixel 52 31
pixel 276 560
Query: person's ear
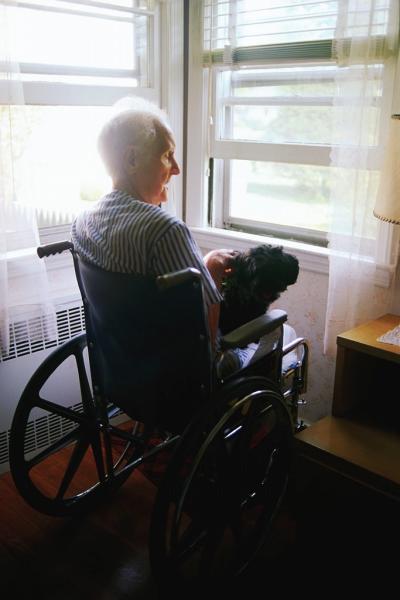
pixel 130 158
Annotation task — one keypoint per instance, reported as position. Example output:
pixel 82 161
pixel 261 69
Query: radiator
pixel 28 348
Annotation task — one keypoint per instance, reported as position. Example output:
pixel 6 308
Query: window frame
pixel 80 94
pixel 227 149
pixel 165 57
pixel 54 93
pixel 198 212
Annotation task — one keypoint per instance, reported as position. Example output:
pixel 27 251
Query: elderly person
pixel 127 230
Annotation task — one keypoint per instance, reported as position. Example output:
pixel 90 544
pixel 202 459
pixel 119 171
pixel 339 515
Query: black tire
pixel 76 465
pixel 222 489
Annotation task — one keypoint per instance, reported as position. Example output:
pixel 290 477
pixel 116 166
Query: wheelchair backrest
pixel 148 341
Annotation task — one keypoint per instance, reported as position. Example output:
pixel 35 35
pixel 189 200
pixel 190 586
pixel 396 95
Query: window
pixel 269 89
pixel 76 59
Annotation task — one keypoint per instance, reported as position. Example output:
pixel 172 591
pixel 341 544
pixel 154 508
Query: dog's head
pixel 256 278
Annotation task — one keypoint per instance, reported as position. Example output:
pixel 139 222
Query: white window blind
pixel 237 31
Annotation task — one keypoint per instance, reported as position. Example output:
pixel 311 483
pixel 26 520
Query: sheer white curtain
pixel 366 46
pixel 23 278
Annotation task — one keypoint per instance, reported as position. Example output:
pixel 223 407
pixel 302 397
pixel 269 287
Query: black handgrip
pixel 169 280
pixel 56 248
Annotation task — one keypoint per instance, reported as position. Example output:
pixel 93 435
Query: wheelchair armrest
pixel 253 330
pixel 292 345
pixel 301 367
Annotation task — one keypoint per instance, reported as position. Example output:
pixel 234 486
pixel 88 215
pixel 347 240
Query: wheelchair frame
pixel 234 454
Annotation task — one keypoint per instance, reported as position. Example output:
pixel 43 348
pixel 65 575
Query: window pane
pixel 288 105
pixel 261 22
pixel 98 39
pixel 275 25
pixel 294 195
pixel 296 124
pixel 291 195
pixel 285 82
pixel 57 168
pixel 293 124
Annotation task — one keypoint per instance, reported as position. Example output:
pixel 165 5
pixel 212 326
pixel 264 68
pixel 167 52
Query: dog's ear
pixel 292 270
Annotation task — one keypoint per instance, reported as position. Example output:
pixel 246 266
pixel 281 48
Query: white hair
pixel 139 125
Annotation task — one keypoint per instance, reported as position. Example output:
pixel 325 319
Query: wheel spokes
pixel 55 447
pixel 98 456
pixel 204 499
pixel 213 543
pixel 189 540
pixel 62 451
pixel 109 457
pixel 58 409
pixel 213 524
pixel 86 393
pixel 236 527
pixel 242 445
pixel 78 453
pixel 240 509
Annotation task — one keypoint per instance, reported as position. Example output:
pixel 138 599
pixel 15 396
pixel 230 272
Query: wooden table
pixel 361 440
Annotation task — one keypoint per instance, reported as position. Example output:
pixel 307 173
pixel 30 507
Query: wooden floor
pixel 328 532
pixel 102 556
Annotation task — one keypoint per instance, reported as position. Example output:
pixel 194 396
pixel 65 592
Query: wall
pixel 396 293
pixel 305 303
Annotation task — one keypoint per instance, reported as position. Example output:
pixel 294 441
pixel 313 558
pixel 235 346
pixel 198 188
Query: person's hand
pixel 218 262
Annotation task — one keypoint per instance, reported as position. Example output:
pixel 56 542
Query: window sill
pixel 61 276
pixel 311 258
pixel 18 260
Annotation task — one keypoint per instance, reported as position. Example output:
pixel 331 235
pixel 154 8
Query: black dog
pixel 256 278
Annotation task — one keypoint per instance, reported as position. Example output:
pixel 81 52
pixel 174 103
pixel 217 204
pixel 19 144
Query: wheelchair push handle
pixel 55 248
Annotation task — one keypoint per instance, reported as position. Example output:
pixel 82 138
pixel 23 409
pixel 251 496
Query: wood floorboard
pixel 101 556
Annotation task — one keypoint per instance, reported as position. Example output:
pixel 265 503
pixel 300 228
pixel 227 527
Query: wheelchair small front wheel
pixel 61 455
pixel 223 487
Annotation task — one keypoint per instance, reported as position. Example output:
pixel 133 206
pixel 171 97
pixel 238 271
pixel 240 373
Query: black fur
pixel 257 278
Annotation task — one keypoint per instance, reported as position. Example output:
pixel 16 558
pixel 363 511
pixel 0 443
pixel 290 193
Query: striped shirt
pixel 125 235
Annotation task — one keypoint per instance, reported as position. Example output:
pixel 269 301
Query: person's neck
pixel 127 187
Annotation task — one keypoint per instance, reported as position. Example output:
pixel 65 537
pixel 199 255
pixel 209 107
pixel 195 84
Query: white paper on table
pixel 391 337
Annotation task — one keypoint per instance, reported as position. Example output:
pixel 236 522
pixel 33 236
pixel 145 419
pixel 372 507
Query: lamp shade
pixel 387 206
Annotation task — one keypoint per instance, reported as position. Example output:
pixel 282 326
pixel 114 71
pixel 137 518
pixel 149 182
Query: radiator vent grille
pixel 29 336
pixel 48 429
pixel 40 433
pixel 43 431
pixel 4 437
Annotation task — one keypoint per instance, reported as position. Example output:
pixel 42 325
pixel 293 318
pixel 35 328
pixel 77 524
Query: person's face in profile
pixel 158 168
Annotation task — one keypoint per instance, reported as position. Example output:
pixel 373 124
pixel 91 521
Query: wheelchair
pixel 148 388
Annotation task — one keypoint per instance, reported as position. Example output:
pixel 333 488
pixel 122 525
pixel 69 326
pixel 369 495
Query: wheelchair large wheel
pixel 62 456
pixel 223 488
